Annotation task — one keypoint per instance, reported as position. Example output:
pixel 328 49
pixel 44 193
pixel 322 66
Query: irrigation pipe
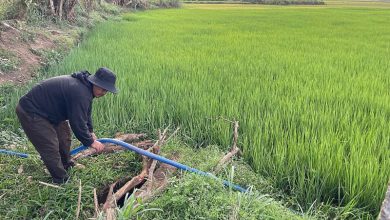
pixel 147 154
pixel 2 151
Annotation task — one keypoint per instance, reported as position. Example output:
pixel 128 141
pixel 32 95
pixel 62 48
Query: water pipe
pixel 147 154
pixel 2 151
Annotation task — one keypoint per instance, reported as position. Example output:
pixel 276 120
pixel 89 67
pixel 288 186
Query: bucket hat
pixel 104 78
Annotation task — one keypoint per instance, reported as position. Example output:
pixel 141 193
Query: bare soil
pixel 26 45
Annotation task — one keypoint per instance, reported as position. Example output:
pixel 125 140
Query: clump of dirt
pixel 26 45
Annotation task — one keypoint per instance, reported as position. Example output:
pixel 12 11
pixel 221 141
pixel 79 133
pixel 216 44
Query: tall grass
pixel 310 87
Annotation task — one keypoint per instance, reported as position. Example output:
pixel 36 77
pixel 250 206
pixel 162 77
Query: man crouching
pixel 48 109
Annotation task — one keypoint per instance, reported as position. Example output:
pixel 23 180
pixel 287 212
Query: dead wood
pixel 135 181
pixel 234 150
pixel 147 172
pixel 155 180
pixel 134 139
pixel 51 185
pixel 79 201
pixel 385 210
pixel 159 183
pixel 129 137
pixel 161 141
pixel 95 201
pixel 110 214
pixel 7 26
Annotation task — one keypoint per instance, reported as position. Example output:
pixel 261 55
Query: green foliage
pixel 27 36
pixel 10 139
pixel 11 9
pixel 166 3
pixel 133 208
pixel 24 198
pixel 109 8
pixel 311 102
pixel 52 57
pixel 36 13
pixel 188 195
pixel 197 197
pixel 8 61
pixel 266 2
pixel 311 94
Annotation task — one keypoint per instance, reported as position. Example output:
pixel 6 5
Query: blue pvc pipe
pixel 2 151
pixel 145 153
pixel 161 159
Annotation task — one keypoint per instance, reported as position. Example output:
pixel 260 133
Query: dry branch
pixel 129 137
pixel 149 166
pixel 110 148
pixel 95 200
pixel 162 140
pixel 160 177
pixel 112 198
pixel 51 185
pixel 78 201
pixel 233 151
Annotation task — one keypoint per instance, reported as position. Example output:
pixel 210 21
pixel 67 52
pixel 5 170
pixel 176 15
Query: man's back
pixel 55 98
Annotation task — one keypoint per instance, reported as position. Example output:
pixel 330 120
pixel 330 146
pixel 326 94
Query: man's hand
pixel 97 145
pixel 93 135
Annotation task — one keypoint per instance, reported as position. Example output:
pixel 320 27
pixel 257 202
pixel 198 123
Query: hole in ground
pixel 103 192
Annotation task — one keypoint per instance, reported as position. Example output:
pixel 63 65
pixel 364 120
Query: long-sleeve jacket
pixel 64 98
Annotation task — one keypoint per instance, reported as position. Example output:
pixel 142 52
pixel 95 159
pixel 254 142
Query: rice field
pixel 310 87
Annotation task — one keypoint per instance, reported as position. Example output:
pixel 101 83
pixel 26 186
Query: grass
pixel 40 201
pixel 8 62
pixel 197 197
pixel 20 183
pixel 311 94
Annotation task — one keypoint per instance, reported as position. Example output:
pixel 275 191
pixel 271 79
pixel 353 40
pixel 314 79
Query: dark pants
pixel 51 141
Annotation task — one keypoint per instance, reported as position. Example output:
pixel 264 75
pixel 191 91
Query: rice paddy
pixel 310 87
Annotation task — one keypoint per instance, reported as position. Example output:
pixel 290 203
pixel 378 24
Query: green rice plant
pixel 311 94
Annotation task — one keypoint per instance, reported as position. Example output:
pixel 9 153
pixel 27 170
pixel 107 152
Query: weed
pixel 8 61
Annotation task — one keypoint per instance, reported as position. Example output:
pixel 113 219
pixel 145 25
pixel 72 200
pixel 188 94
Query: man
pixel 44 113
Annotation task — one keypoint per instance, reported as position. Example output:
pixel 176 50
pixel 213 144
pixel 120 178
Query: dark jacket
pixel 64 98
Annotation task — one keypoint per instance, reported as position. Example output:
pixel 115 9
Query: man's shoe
pixel 69 165
pixel 61 181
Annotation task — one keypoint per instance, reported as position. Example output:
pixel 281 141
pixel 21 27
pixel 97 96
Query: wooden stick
pixel 148 167
pixel 95 200
pixel 79 201
pixel 110 148
pixel 110 197
pixel 173 134
pixel 161 176
pixel 233 151
pixel 129 137
pixel 110 214
pixel 51 185
pixel 110 202
pixel 162 140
